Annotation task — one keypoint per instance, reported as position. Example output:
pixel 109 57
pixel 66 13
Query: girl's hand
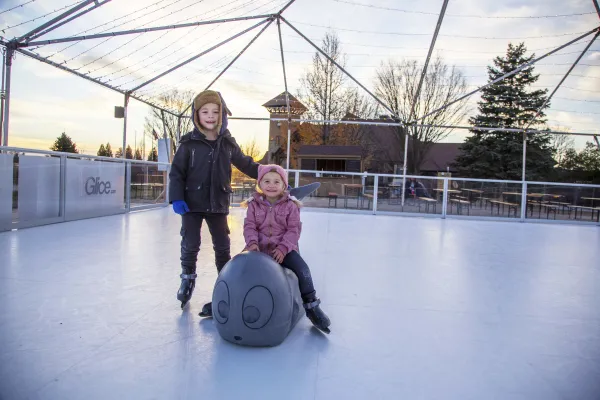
pixel 278 256
pixel 252 247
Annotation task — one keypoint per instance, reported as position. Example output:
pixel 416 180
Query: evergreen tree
pixel 64 144
pixel 109 152
pixel 138 154
pixel 508 104
pixel 153 156
pixel 583 166
pixel 119 153
pixel 129 153
pixel 101 151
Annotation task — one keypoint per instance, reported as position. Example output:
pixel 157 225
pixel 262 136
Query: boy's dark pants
pixel 191 223
pixel 294 262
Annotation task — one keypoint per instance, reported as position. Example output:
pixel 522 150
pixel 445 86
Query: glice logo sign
pixel 96 186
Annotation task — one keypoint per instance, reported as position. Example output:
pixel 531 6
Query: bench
pixel 332 196
pixel 511 207
pixel 460 204
pixel 581 209
pixel 369 197
pixel 487 201
pixel 428 202
pixel 549 207
pixel 563 205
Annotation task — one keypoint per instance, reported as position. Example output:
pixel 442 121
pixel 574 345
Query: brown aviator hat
pixel 210 96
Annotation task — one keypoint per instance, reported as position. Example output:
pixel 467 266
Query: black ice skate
pixel 206 310
pixel 317 316
pixel 184 294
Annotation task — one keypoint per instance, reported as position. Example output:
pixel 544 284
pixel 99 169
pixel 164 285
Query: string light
pixel 463 15
pixel 41 16
pixel 17 6
pixel 445 35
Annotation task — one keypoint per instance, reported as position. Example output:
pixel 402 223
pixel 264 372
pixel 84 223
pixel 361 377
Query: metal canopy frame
pixel 20 45
pixel 418 92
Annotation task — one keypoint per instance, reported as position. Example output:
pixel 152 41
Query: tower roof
pixel 277 105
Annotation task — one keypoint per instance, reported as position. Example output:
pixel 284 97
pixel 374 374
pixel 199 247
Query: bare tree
pixel 174 100
pixel 561 143
pixel 323 88
pixel 396 84
pixel 250 148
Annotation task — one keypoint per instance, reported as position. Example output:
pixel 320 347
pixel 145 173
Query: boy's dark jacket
pixel 189 176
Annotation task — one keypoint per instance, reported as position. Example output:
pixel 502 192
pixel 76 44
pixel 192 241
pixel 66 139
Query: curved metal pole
pixel 189 60
pixel 231 63
pixel 287 97
pixel 285 7
pixel 539 111
pixel 143 30
pixel 6 115
pixel 404 169
pixel 541 108
pixel 55 20
pixel 524 169
pixel 339 66
pixel 515 71
pixel 56 65
pixel 125 104
pixel 37 35
pixel 431 46
pixel 2 96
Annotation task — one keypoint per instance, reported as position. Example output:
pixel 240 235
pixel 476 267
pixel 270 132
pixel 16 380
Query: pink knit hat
pixel 265 169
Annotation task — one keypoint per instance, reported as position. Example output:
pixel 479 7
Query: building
pixel 330 158
pixel 277 107
pixel 380 149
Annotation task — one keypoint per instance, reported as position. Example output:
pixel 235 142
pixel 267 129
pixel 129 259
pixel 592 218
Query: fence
pixel 452 197
pixel 39 187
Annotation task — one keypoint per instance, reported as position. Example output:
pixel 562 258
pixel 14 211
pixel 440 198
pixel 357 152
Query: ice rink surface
pixel 421 308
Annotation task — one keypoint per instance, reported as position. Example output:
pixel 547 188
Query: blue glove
pixel 180 207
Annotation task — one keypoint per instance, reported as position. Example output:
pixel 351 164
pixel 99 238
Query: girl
pixel 273 226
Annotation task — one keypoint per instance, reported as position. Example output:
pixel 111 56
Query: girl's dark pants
pixel 294 262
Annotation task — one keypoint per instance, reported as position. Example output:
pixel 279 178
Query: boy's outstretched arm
pixel 243 162
pixel 250 230
pixel 291 237
pixel 178 175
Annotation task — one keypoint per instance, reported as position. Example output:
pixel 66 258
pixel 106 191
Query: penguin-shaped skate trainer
pixel 256 302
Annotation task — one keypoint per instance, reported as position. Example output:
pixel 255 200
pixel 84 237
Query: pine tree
pixel 583 166
pixel 508 104
pixel 138 154
pixel 101 151
pixel 64 144
pixel 153 156
pixel 119 153
pixel 129 153
pixel 109 152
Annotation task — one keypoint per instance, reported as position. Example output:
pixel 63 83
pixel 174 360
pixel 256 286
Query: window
pixel 331 165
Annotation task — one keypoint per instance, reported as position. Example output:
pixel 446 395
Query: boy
pixel 200 184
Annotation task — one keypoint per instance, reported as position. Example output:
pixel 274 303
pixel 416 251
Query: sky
pixel 45 101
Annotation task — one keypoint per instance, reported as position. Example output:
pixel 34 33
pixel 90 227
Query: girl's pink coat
pixel 274 226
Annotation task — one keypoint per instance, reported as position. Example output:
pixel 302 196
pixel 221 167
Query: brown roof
pixel 440 156
pixel 336 151
pixel 279 102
